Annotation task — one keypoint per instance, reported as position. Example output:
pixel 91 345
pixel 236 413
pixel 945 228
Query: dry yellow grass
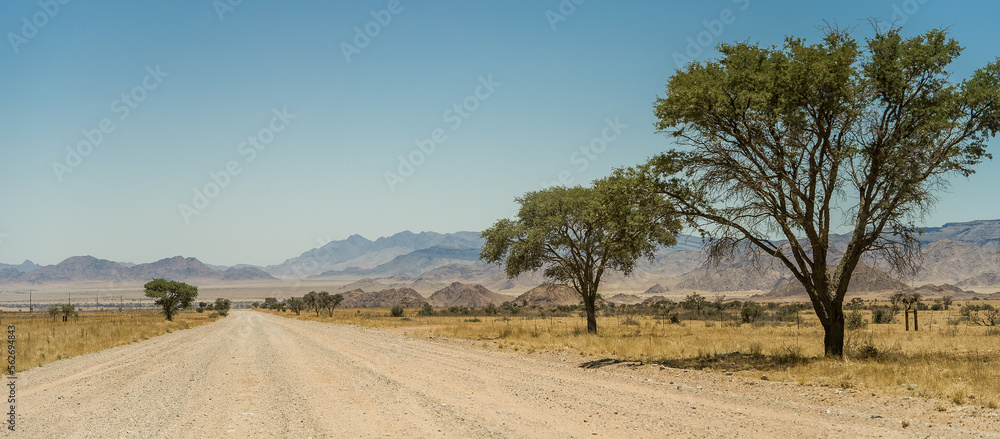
pixel 41 340
pixel 956 363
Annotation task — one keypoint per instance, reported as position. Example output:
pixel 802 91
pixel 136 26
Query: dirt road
pixel 257 375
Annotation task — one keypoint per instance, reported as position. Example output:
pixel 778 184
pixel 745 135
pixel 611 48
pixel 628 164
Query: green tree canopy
pixel 779 145
pixel 170 295
pixel 576 234
pixel 295 304
pixel 313 301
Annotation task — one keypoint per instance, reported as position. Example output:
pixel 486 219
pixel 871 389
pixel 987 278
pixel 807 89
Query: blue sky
pixel 201 77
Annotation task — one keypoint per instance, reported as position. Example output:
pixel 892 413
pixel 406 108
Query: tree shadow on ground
pixel 731 361
pixel 737 361
pixel 597 364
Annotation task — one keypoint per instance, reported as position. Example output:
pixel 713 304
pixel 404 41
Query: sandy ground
pixel 256 375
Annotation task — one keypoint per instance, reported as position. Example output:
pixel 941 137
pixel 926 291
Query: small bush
pixel 883 315
pixel 213 315
pixel 751 312
pixel 855 321
pixel 473 320
pixel 427 310
pixel 397 311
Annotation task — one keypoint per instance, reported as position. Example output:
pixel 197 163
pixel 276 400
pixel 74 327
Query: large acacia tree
pixel 576 234
pixel 780 145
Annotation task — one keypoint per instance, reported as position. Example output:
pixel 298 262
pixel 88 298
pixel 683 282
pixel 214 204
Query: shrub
pixel 883 315
pixel 427 310
pixel 855 304
pixel 855 320
pixel 751 312
pixel 397 311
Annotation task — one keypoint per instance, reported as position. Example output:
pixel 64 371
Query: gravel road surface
pixel 257 375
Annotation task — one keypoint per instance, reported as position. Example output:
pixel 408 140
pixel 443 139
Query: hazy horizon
pixel 250 133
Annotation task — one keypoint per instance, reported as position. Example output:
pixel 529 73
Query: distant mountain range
pixel 89 268
pixel 414 263
pixel 357 253
pixel 964 254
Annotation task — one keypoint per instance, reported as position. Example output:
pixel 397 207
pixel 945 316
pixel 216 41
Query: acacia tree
pixel 311 300
pixel 295 304
pixel 331 302
pixel 788 142
pixel 223 306
pixel 576 234
pixel 170 295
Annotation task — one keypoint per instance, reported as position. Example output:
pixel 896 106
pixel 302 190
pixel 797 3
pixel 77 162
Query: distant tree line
pixel 311 301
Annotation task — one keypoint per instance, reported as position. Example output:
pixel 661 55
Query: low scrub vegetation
pixel 42 339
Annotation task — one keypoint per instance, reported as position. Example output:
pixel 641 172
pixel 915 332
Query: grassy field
pixel 956 363
pixel 42 339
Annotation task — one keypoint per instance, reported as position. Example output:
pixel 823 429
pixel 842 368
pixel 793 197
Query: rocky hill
pixel 957 262
pixel 656 289
pixel 24 267
pixel 7 274
pixel 549 295
pixel 931 291
pixel 491 276
pixel 866 279
pixel 625 299
pixel 992 279
pixel 366 284
pixel 77 268
pixel 472 296
pixel 246 273
pixel 176 267
pixel 389 298
pixel 653 300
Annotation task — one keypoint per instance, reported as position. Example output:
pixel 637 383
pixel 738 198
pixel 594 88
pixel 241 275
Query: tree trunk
pixel 906 312
pixel 591 314
pixel 833 340
pixel 915 326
